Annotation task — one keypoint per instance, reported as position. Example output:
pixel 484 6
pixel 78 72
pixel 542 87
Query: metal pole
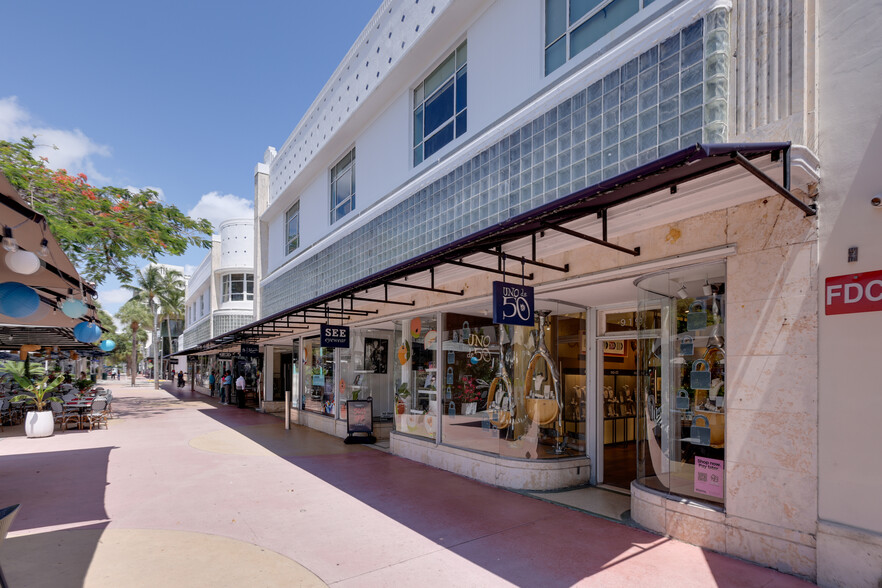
pixel 134 367
pixel 155 346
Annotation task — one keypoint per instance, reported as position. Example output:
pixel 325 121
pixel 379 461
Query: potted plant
pixel 39 422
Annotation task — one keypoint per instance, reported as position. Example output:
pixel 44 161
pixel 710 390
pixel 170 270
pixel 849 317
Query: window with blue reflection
pixel 440 106
pixel 571 26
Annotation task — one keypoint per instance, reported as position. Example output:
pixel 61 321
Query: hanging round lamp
pixel 74 308
pixel 87 332
pixel 22 262
pixel 107 345
pixel 18 300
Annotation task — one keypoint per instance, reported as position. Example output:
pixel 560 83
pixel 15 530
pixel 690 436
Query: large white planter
pixel 39 424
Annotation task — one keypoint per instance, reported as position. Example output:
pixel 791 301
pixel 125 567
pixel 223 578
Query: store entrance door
pixel 616 346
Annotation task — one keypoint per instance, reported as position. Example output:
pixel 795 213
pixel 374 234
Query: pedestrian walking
pixel 240 391
pixel 226 385
pixel 211 383
pixel 181 379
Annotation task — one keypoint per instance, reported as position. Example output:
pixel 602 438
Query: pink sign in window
pixel 709 476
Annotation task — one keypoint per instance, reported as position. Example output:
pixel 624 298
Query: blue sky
pixel 179 96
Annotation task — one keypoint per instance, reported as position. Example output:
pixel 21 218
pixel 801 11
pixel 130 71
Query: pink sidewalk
pixel 352 515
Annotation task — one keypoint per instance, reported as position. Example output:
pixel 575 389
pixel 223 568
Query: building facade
pixel 219 297
pixel 653 170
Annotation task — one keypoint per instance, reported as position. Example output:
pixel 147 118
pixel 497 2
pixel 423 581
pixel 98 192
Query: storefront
pixel 648 368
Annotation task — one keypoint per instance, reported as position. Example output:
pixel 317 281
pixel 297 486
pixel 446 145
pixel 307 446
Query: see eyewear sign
pixel 335 336
pixel 853 293
pixel 512 304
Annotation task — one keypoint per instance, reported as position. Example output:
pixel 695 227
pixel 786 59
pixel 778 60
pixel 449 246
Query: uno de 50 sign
pixel 512 304
pixel 853 293
pixel 335 336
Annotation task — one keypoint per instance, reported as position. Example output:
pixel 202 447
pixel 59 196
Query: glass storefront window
pixel 367 370
pixel 318 377
pixel 417 402
pixel 503 390
pixel 681 382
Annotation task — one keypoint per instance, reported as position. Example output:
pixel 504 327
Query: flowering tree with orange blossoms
pixel 103 230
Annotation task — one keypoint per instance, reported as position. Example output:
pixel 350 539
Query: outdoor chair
pixel 96 414
pixel 6 517
pixel 5 412
pixel 69 396
pixel 109 399
pixel 69 416
pixel 63 416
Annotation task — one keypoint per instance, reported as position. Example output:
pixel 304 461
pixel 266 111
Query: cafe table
pixel 80 404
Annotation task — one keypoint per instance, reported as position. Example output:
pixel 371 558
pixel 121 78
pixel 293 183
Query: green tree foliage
pixel 103 230
pixel 161 290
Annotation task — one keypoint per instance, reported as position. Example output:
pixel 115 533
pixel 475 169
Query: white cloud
pixel 117 296
pixel 75 151
pixel 217 208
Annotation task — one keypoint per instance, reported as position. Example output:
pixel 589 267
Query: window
pixel 439 106
pixel 238 287
pixel 292 228
pixel 343 187
pixel 681 370
pixel 571 26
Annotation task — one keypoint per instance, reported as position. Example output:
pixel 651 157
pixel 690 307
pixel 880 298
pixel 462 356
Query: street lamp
pixel 154 308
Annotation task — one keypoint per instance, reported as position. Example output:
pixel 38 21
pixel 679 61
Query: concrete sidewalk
pixel 179 491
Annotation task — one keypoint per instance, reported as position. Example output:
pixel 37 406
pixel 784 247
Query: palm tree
pixel 134 313
pixel 154 282
pixel 172 301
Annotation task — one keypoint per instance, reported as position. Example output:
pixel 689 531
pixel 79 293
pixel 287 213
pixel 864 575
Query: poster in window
pixel 376 352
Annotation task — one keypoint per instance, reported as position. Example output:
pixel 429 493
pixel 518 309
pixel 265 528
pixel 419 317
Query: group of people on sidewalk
pixel 226 384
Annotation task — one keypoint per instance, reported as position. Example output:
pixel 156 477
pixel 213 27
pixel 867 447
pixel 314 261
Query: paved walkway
pixel 182 492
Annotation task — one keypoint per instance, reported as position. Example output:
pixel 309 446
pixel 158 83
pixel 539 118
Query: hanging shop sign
pixel 512 304
pixel 249 350
pixel 225 355
pixel 335 336
pixel 853 293
pixel 173 361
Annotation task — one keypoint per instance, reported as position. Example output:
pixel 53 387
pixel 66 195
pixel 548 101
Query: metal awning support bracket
pixel 430 288
pixel 499 271
pixel 635 252
pixel 501 255
pixel 808 209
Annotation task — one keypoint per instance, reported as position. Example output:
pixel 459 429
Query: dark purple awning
pixel 661 174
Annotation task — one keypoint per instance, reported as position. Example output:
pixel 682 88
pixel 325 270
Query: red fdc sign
pixel 853 293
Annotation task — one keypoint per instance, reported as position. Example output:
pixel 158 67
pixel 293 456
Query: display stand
pixel 360 421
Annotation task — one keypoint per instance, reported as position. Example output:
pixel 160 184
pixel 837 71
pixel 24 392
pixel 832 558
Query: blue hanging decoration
pixel 74 308
pixel 18 300
pixel 87 332
pixel 107 345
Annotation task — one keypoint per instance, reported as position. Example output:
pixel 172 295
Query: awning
pixel 665 173
pixel 54 281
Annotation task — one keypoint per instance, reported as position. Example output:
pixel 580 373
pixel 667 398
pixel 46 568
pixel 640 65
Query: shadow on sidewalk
pixel 521 539
pixel 56 489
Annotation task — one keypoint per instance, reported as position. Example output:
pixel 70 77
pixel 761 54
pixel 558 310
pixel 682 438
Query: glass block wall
pixel 224 323
pixel 671 96
pixel 197 333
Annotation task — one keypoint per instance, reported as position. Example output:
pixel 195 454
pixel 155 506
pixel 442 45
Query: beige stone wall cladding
pixel 771 399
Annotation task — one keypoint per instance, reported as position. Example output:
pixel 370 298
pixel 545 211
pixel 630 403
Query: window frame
pixel 569 29
pixel 292 243
pixel 334 176
pixel 246 279
pixel 457 78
